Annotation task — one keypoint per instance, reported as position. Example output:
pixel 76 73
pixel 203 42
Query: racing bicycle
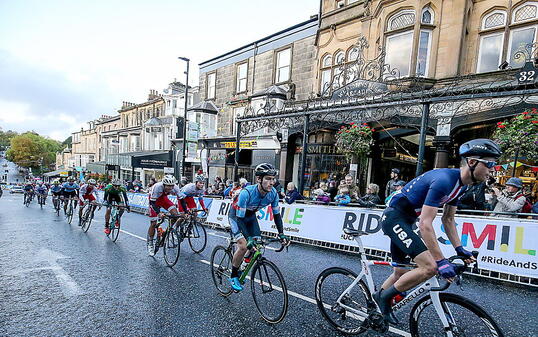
pixel 56 202
pixel 41 199
pixel 71 205
pixel 88 214
pixel 267 284
pixel 345 301
pixel 115 215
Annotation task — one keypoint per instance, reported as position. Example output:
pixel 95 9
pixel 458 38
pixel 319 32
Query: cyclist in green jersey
pixel 114 192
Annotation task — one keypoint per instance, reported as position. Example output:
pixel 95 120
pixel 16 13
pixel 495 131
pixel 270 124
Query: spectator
pixel 230 185
pixel 399 185
pixel 391 184
pixel 235 190
pixel 333 191
pixel 371 198
pixel 353 189
pixel 292 194
pixel 279 189
pixel 221 189
pixel 218 180
pixel 243 182
pixel 130 186
pixel 474 198
pixel 511 199
pixel 343 197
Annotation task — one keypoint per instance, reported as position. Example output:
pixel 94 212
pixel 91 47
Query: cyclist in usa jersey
pixel 243 220
pixel 420 199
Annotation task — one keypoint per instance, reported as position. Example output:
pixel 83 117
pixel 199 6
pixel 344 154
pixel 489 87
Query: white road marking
pixel 227 237
pixel 313 301
pixel 133 235
pixel 68 285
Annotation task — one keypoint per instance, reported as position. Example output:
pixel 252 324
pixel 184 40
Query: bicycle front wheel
pixel 465 318
pixel 269 291
pixel 221 269
pixel 197 236
pixel 348 313
pixel 171 247
pixel 87 219
pixel 70 213
pixel 114 229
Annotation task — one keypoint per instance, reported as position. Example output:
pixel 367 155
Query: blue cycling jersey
pixel 70 187
pixel 41 189
pixel 251 200
pixel 434 188
pixel 56 188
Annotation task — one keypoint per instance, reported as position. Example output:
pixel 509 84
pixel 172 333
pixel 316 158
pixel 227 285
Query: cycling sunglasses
pixel 489 164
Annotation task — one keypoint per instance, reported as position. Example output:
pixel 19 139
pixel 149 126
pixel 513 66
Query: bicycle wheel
pixel 465 318
pixel 330 285
pixel 171 247
pixel 70 213
pixel 197 236
pixel 87 219
pixel 114 228
pixel 56 204
pixel 269 291
pixel 221 269
pixel 27 201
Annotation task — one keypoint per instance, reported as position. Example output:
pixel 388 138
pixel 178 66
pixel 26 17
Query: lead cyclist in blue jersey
pixel 421 198
pixel 243 218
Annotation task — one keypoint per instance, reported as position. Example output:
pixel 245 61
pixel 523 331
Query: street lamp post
pixel 183 152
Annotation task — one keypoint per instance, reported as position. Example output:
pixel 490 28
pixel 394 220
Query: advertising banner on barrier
pixel 505 245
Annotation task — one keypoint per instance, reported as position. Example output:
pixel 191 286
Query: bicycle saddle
pixel 354 232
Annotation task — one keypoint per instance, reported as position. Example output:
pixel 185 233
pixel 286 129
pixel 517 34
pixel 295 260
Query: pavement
pixel 56 280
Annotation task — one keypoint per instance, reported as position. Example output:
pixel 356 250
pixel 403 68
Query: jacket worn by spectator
pixel 369 200
pixel 474 198
pixel 342 199
pixel 391 186
pixel 293 195
pixel 354 192
pixel 509 203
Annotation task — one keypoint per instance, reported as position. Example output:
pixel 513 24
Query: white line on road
pixel 133 235
pixel 227 237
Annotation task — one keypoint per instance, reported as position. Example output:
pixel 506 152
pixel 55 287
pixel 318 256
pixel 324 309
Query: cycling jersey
pixel 87 189
pixel 186 197
pixel 159 199
pixel 113 193
pixel 434 188
pixel 41 189
pixel 242 216
pixel 28 187
pixel 70 187
pixel 55 189
pixel 158 190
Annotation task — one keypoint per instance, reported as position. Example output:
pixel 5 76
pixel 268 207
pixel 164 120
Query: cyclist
pixel 114 192
pixel 70 192
pixel 41 191
pixel 86 192
pixel 421 198
pixel 28 191
pixel 185 198
pixel 56 190
pixel 157 200
pixel 242 216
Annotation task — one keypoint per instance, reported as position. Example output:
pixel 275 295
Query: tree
pixel 5 138
pixel 33 151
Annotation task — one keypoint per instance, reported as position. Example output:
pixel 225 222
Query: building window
pixel 283 65
pixel 241 70
pixel 427 16
pixel 401 20
pixel 211 85
pixel 492 50
pixel 398 52
pixel 423 56
pixel 238 112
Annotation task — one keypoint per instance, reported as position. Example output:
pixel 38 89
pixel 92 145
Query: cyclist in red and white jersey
pixel 87 192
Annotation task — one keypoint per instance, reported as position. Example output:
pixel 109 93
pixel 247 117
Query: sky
pixel 64 63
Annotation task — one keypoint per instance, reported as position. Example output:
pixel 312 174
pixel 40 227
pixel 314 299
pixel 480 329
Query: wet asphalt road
pixel 56 280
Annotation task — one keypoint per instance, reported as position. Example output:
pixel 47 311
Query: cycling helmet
pixel 71 179
pixel 480 148
pixel 199 178
pixel 56 182
pixel 116 182
pixel 169 180
pixel 265 169
pixel 92 182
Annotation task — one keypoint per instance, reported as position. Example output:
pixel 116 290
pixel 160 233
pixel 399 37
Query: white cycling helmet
pixel 169 180
pixel 116 182
pixel 92 182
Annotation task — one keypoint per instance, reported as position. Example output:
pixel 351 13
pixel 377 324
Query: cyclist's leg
pixel 82 205
pixel 399 257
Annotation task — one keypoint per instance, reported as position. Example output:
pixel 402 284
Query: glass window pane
pixel 518 42
pixel 242 70
pixel 283 74
pixel 398 52
pixel 284 58
pixel 423 53
pixel 490 53
pixel 327 61
pixel 426 16
pixel 325 80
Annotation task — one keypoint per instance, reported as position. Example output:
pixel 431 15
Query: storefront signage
pixel 64 174
pixel 155 161
pixel 359 88
pixel 263 156
pixel 110 167
pixel 319 149
pixel 246 144
pixel 192 131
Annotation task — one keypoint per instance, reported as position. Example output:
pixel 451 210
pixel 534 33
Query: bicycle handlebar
pixel 269 240
pixel 459 270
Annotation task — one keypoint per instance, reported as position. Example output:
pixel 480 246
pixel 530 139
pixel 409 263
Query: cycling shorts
pixel 56 194
pixel 161 202
pixel 89 197
pixel 405 243
pixel 72 194
pixel 248 227
pixel 191 204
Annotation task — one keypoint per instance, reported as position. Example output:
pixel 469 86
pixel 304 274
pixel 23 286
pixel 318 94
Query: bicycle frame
pixel 366 273
pixel 253 259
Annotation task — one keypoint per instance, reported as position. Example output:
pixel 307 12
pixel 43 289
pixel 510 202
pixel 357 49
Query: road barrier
pixel 507 246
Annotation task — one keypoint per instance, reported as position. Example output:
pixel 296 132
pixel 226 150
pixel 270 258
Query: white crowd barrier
pixel 506 245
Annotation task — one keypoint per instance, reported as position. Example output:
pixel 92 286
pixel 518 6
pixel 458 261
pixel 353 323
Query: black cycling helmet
pixel 480 148
pixel 265 169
